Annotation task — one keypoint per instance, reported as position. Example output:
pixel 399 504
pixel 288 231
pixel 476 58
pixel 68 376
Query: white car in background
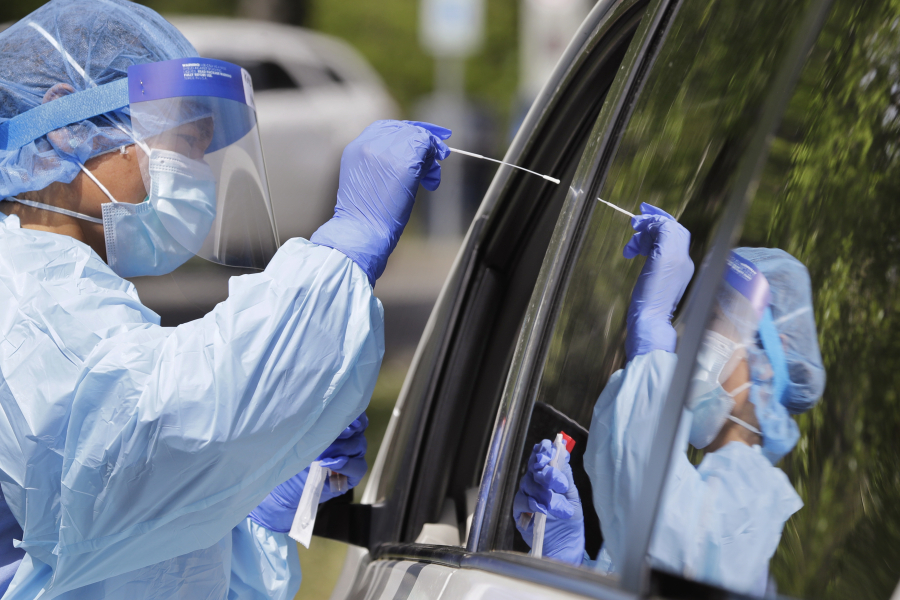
pixel 314 94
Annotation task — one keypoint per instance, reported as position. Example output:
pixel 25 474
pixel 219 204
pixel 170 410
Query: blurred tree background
pixel 828 196
pixel 386 32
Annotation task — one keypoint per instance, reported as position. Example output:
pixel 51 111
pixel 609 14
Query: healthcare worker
pixel 130 454
pixel 759 363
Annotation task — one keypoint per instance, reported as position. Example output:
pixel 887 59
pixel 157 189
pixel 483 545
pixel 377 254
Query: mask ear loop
pixel 744 424
pixel 97 181
pixel 56 209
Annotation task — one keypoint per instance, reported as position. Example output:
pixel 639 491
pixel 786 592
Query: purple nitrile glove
pixel 662 281
pixel 380 174
pixel 346 455
pixel 552 491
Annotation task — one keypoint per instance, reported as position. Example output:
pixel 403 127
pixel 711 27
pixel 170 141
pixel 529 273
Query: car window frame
pixel 435 346
pixel 511 423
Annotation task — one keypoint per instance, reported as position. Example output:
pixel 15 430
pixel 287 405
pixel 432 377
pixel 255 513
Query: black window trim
pixel 525 370
pixel 387 519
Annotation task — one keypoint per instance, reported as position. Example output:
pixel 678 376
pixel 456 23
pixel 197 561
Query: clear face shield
pixel 730 339
pixel 194 122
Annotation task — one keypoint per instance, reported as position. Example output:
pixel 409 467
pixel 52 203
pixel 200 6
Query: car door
pixel 697 143
pixel 686 126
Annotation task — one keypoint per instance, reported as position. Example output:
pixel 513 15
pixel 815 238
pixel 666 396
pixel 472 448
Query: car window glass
pixel 441 429
pixel 483 351
pixel 311 76
pixel 690 125
pixel 828 197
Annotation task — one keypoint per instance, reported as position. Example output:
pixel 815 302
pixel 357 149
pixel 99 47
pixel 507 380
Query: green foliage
pixel 829 196
pixel 193 7
pixel 13 11
pixel 386 32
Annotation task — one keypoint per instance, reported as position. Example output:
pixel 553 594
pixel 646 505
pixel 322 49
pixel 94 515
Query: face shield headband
pixel 202 110
pixel 779 430
pixel 181 77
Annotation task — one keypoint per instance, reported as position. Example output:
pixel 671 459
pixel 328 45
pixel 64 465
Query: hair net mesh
pixel 792 312
pixel 102 38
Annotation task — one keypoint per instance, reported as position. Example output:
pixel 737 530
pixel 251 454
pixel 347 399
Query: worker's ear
pixel 58 91
pixel 59 138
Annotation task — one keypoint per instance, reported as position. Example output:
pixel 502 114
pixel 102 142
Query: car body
pixel 749 121
pixel 314 94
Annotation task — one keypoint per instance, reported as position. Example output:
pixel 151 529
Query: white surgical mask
pixel 161 233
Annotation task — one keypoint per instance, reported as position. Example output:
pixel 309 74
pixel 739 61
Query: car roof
pixel 253 40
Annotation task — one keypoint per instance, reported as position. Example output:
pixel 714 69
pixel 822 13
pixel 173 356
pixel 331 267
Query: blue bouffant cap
pixel 70 46
pixel 792 315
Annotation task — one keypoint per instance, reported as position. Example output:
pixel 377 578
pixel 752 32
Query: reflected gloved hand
pixel 551 491
pixel 380 175
pixel 346 455
pixel 662 281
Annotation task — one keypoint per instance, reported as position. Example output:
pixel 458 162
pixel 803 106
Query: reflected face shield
pixel 741 301
pixel 194 121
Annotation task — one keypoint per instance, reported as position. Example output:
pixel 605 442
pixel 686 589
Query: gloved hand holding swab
pixel 473 155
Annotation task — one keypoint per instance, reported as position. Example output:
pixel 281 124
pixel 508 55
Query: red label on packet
pixel 570 443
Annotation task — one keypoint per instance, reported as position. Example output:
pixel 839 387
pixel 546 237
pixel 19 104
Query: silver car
pixel 314 94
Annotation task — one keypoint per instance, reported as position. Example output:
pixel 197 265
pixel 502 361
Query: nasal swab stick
pixel 473 155
pixel 611 205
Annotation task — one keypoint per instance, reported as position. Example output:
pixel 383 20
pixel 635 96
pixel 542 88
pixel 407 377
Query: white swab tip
pixel 548 178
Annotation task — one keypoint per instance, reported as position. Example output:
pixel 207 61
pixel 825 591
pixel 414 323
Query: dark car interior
pixel 462 420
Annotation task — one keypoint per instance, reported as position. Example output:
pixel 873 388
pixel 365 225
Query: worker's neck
pixel 733 432
pixel 43 220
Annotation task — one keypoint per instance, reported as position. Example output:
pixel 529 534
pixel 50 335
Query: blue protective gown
pixel 719 522
pixel 131 454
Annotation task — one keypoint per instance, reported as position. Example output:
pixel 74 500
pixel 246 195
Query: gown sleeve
pixel 264 564
pixel 176 434
pixel 621 435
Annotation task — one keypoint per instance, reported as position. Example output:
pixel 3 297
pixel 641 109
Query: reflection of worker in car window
pixel 759 363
